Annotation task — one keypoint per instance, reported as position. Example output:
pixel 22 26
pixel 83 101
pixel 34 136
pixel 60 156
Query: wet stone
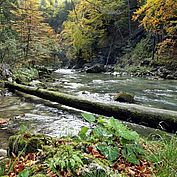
pixel 124 97
pixel 3 153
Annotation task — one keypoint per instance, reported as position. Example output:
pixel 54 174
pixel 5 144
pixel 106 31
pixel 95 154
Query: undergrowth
pixel 163 154
pixel 110 149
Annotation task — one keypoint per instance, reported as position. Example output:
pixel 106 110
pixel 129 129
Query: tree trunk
pixel 109 53
pixel 152 117
pixel 154 47
pixel 129 19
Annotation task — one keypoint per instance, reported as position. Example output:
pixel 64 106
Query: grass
pixel 163 154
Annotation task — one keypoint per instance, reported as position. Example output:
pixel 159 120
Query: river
pixel 42 118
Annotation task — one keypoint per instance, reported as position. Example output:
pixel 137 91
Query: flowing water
pixel 152 93
pixel 56 120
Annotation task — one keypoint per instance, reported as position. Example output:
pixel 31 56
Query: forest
pixel 88 88
pixel 73 33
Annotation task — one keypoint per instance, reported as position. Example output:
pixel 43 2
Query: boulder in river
pixel 163 72
pixel 124 97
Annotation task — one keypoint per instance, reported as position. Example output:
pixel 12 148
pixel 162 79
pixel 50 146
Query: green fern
pixel 66 159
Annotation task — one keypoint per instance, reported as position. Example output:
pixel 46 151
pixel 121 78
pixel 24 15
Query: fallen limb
pixel 152 117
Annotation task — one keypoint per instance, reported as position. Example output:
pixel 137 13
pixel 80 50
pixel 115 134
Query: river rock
pixel 43 71
pixel 1 91
pixel 37 83
pixel 124 97
pixel 170 76
pixel 98 68
pixel 93 169
pixel 109 68
pixel 3 122
pixel 3 153
pixel 5 71
pixel 163 72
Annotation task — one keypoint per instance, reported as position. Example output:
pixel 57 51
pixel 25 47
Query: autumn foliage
pixel 35 35
pixel 158 16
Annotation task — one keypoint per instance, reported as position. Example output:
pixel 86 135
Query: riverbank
pixel 109 149
pixel 154 73
pixel 149 72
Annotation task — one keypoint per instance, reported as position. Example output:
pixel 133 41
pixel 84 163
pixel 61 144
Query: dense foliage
pixel 160 18
pixel 94 25
pixel 8 38
pixel 103 31
pixel 24 32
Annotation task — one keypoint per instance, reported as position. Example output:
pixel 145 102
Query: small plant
pixel 23 75
pixel 66 159
pixel 24 173
pixel 15 167
pixel 111 136
pixel 2 168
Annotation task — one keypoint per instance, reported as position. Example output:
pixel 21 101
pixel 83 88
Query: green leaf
pixel 114 123
pixel 77 158
pixel 62 164
pixel 128 153
pixel 139 149
pixel 23 129
pixel 101 120
pixel 101 132
pixel 122 130
pixel 72 162
pixel 67 164
pixel 88 117
pixel 110 152
pixel 2 168
pixel 129 135
pixel 24 173
pixel 83 132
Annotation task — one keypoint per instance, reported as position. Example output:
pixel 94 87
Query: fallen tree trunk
pixel 152 117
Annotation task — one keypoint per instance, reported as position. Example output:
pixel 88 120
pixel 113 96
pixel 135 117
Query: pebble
pixel 3 153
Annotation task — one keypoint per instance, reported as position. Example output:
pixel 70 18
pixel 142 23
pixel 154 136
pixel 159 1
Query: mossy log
pixel 152 117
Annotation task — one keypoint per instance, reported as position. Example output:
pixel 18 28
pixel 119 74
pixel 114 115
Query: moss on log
pixel 152 117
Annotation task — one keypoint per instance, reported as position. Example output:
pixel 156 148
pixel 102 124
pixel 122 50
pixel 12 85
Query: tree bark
pixel 152 117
